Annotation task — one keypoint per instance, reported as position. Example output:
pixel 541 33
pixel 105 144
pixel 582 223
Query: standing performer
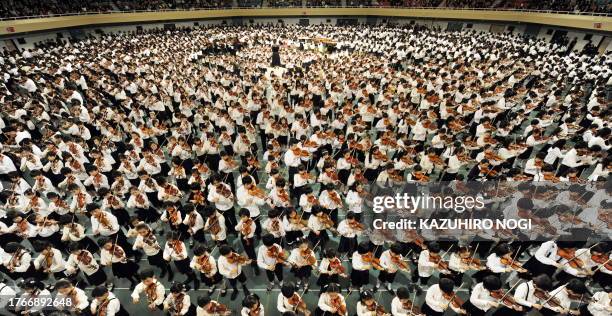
pixel 178 302
pixel 230 266
pixel 105 303
pixel 153 290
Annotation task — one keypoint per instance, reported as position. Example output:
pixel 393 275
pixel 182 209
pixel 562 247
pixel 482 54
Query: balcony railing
pixel 310 7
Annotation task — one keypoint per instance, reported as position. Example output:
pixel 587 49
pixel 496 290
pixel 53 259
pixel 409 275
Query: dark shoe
pixel 234 295
pixel 223 292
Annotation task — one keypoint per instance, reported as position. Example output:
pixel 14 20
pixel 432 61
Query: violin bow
pixel 602 265
pixel 113 249
pixel 515 256
pixel 508 292
pixel 578 255
pixel 553 295
pixel 453 296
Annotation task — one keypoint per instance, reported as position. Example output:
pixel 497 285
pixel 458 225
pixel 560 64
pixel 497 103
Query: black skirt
pixel 360 278
pixel 183 266
pixel 157 259
pixel 124 269
pixel 347 245
pixel 302 272
pixel 97 278
pixel 325 279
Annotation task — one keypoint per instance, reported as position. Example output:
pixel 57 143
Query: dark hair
pixel 203 300
pixel 288 289
pixel 402 293
pixel 446 285
pixel 99 291
pixel 146 273
pixel 492 283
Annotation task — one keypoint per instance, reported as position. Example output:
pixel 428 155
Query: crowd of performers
pixel 184 149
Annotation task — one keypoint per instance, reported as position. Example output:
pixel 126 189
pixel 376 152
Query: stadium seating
pixel 29 8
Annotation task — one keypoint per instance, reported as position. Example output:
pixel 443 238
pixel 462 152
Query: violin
pixel 103 308
pixel 360 177
pixel 177 305
pixel 224 191
pixel 353 161
pixel 298 302
pixel 81 200
pixel 379 309
pixel 375 262
pixel 303 153
pixel 246 227
pixel 473 263
pixel 399 263
pixel 435 159
pixel 198 198
pixel 603 259
pixel 326 220
pixel 336 302
pixel 85 258
pixel 104 221
pixel 544 296
pixel 213 225
pixel 356 225
pixel 234 258
pixel 453 299
pixel 379 155
pixel 336 265
pixel 506 300
pixel 306 176
pixel 283 195
pixel 215 308
pixel 421 177
pixel 488 171
pixel 333 195
pixel 276 253
pixel 173 215
pixel 332 175
pixel 489 155
pixel 570 255
pixel 312 200
pixel 308 256
pixel 507 261
pixel 414 310
pixel 255 191
pixel 437 259
pixel 551 178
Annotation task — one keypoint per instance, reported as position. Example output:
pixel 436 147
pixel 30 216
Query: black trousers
pixel 278 272
pixel 425 309
pixel 234 282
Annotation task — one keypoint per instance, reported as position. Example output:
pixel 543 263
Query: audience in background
pixel 23 8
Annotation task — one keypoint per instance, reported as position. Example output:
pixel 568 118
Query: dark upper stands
pixel 25 8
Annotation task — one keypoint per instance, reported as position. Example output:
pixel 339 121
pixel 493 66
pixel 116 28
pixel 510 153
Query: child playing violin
pixel 251 306
pixel 367 306
pixel 391 261
pixel 361 262
pixel 438 299
pixel 208 307
pixel 247 227
pixel 331 302
pixel 302 260
pixel 289 301
pixel 330 268
pixel 205 263
pixel 349 229
pixel 271 258
pixel 489 295
pixel 230 267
